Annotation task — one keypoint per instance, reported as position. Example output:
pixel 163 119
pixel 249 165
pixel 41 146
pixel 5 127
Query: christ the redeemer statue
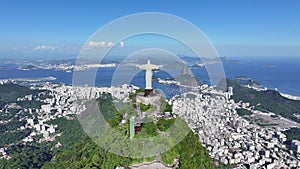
pixel 148 67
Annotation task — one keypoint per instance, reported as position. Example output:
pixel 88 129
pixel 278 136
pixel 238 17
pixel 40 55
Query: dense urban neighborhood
pixel 221 123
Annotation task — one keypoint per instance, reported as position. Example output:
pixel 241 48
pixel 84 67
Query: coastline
pixel 290 96
pixel 37 79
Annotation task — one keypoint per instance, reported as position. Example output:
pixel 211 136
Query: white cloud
pixel 122 44
pixel 100 44
pixel 44 47
pixel 92 44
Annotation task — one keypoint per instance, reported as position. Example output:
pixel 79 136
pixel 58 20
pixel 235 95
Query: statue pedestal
pixel 148 92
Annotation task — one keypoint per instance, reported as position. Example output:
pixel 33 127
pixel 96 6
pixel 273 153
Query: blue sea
pixel 282 73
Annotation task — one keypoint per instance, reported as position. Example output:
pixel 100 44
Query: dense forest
pixel 244 112
pixel 9 93
pixel 34 155
pixel 86 154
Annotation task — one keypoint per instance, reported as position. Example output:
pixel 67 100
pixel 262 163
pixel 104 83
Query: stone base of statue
pixel 153 98
pixel 148 92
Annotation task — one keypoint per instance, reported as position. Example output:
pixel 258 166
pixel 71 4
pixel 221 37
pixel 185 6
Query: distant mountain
pixel 187 78
pixel 186 71
pixel 27 67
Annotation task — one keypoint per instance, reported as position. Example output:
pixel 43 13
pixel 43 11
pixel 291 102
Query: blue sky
pixel 235 27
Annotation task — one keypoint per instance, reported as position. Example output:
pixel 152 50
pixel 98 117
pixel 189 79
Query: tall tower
pixel 230 90
pixel 131 129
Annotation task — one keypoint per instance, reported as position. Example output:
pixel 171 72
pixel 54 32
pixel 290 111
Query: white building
pixel 296 145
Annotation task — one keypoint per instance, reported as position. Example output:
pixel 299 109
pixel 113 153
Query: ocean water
pixel 282 73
